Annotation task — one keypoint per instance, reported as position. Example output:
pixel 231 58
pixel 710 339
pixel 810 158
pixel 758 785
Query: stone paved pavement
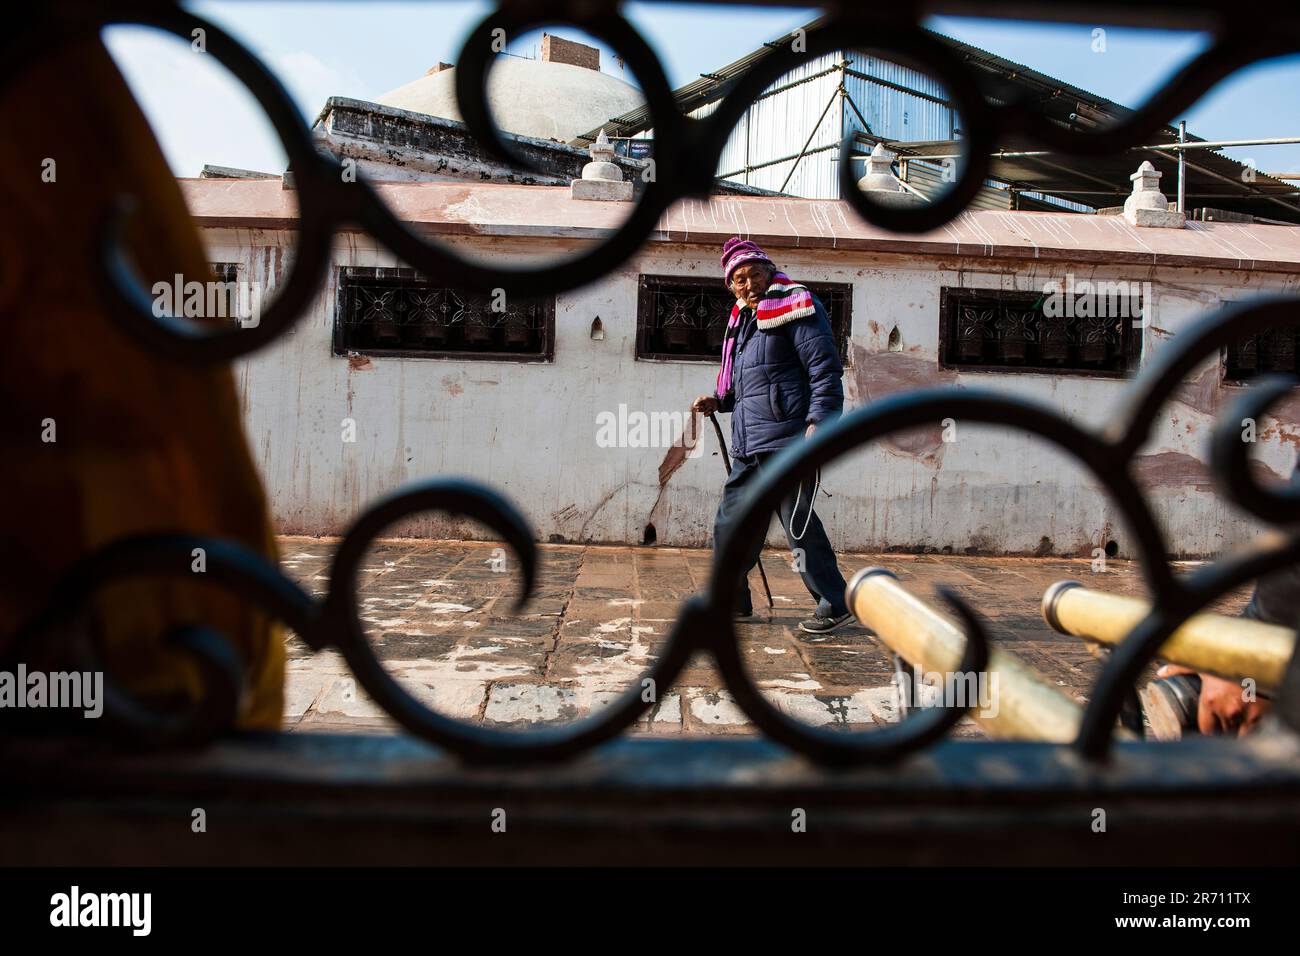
pixel 438 613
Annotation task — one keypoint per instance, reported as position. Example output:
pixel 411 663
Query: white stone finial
pixel 602 151
pixel 601 178
pixel 1147 205
pixel 1146 189
pixel 880 176
pixel 882 185
pixel 602 165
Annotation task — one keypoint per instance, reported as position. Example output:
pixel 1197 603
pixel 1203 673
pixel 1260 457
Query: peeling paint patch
pixel 393 623
pixel 530 703
pixel 442 607
pixel 1201 393
pixel 1172 469
pixel 792 684
pixel 717 707
pixel 677 453
pixel 669 710
pixel 878 374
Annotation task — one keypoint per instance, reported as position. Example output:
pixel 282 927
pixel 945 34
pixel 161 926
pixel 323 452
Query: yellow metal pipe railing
pixel 1024 706
pixel 1231 647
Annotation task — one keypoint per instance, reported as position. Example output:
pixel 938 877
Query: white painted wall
pixel 529 429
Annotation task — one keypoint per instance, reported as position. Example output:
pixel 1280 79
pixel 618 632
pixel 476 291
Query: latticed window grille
pixel 226 300
pixel 684 319
pixel 1272 352
pixel 998 330
pixel 400 312
pixel 225 271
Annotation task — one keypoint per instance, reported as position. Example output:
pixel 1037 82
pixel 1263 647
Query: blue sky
pixel 364 49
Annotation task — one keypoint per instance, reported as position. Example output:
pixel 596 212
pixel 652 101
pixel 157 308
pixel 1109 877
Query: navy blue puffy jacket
pixel 782 380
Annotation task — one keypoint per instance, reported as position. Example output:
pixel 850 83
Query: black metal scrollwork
pixel 686 154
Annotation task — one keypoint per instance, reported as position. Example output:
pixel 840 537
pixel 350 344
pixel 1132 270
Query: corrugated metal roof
pixel 1213 179
pixel 1000 72
pixel 1238 188
pixel 928 180
pixel 492 209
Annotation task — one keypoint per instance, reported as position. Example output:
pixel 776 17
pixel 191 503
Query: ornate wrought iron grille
pixel 998 330
pixel 399 312
pixel 225 271
pixel 223 298
pixel 1271 352
pixel 686 154
pixel 685 319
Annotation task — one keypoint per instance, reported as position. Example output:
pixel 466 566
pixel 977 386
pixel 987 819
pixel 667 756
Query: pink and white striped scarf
pixel 784 301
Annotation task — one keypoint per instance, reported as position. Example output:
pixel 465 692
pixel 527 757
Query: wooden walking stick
pixel 726 461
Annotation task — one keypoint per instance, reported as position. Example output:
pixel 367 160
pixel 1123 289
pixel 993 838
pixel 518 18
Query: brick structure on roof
pixel 559 50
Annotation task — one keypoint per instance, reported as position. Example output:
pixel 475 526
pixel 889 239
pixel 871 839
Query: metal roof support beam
pixel 1182 167
pixel 799 82
pixel 1111 192
pixel 858 113
pixel 1060 167
pixel 776 162
pixel 811 133
pixel 899 87
pixel 1246 190
pixel 1225 143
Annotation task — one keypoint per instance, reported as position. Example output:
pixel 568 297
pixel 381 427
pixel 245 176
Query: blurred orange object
pixel 142 444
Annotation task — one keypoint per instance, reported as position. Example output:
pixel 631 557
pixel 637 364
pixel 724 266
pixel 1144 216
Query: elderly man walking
pixel 780 379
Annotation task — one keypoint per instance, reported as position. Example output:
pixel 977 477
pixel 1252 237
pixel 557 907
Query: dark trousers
pixel 821 574
pixel 1276 599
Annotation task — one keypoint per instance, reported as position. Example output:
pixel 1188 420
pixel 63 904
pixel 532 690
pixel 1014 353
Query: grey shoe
pixel 824 625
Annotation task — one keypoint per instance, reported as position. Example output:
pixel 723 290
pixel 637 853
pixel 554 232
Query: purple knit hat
pixel 737 250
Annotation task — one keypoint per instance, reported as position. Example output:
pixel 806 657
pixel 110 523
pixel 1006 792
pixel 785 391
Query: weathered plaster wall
pixel 529 429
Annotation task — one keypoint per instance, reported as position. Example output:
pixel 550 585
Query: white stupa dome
pixel 546 98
